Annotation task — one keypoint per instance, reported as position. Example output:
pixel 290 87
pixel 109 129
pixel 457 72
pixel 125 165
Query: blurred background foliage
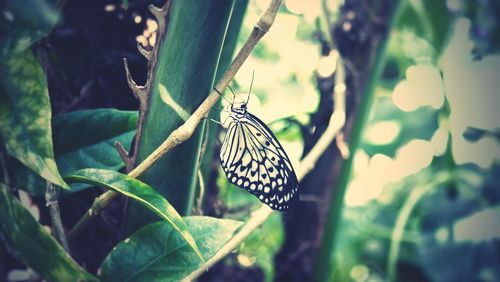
pixel 422 200
pixel 421 204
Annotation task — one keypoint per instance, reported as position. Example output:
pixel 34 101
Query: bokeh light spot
pixel 440 141
pixel 478 227
pixel 245 260
pixel 359 273
pixel 423 86
pixel 383 132
pixel 442 234
pixel 327 64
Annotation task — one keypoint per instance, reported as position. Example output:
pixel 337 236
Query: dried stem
pixel 186 130
pixel 337 120
pixel 124 155
pixel 143 92
pixel 51 200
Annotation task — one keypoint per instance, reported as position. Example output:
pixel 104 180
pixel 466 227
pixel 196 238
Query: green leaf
pixel 83 129
pixel 34 245
pixel 84 139
pixel 428 19
pixel 157 253
pixel 21 26
pixel 25 115
pixel 140 192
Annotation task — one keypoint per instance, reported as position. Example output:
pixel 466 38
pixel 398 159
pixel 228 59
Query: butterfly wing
pixel 253 159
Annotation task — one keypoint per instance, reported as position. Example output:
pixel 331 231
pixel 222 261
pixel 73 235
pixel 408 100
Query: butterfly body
pixel 253 159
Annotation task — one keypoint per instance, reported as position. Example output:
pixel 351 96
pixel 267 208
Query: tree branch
pixel 186 130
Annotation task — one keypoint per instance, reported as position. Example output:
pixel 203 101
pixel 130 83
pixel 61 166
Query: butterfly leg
pixel 218 122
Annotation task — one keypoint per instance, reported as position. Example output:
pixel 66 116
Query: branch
pixel 185 131
pixel 336 123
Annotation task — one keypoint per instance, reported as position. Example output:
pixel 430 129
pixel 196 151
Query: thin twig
pixel 186 130
pixel 328 22
pixel 336 123
pixel 201 181
pixel 51 200
pixel 339 76
pixel 199 201
pixel 124 155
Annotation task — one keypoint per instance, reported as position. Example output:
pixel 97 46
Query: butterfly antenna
pixel 251 83
pixel 234 95
pixel 222 95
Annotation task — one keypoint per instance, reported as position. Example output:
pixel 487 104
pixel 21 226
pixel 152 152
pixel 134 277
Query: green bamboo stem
pixel 325 262
pixel 187 60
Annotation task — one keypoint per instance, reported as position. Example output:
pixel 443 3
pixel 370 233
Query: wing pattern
pixel 253 159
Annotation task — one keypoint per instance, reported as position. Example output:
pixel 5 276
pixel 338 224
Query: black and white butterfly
pixel 253 159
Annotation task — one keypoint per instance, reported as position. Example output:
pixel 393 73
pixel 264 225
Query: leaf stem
pixel 51 200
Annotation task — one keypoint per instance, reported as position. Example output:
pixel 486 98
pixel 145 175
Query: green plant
pixel 363 97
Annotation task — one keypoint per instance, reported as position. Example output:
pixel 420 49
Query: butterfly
pixel 253 159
